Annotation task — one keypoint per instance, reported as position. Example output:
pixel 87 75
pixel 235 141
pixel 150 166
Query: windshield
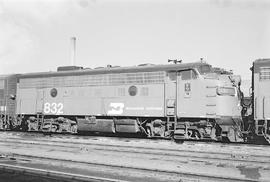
pixel 205 69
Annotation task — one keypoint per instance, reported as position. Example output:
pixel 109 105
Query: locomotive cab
pixel 208 104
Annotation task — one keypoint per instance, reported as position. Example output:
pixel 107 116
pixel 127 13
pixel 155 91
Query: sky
pixel 35 34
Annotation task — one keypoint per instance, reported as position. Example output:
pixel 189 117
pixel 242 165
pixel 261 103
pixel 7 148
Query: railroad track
pixel 187 176
pixel 54 175
pixel 123 138
pixel 168 157
pixel 62 137
pixel 206 148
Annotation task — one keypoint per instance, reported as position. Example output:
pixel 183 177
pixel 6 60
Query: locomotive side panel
pixel 262 89
pixel 101 100
pixel 105 101
pixel 26 101
pixel 191 95
pixel 147 101
pixel 210 96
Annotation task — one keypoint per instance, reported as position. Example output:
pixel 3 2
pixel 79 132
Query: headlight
pixel 226 91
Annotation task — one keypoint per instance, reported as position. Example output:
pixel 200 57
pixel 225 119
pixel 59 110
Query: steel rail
pixel 68 135
pixel 117 145
pixel 54 174
pixel 134 137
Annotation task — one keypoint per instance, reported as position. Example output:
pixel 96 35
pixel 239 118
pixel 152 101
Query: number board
pixel 53 108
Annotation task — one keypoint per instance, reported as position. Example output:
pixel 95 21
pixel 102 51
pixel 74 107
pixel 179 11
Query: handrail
pixel 255 108
pixel 263 107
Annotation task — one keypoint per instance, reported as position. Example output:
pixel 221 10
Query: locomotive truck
pixel 183 101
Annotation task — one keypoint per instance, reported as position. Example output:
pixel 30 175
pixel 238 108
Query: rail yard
pixel 95 158
pixel 189 122
pixel 186 101
pixel 134 91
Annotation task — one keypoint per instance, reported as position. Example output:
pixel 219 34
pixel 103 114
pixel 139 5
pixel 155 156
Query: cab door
pixel 190 99
pixel 170 94
pixel 39 101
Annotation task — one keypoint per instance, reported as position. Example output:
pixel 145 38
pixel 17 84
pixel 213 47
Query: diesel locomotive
pixel 183 101
pixel 256 109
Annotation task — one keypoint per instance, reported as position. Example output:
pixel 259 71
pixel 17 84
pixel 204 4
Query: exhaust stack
pixel 73 50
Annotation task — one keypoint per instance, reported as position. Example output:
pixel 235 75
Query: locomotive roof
pixel 261 63
pixel 147 68
pixel 8 76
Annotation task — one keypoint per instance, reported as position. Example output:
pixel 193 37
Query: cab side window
pixel 188 75
pixel 172 75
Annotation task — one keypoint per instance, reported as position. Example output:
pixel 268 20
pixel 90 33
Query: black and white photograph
pixel 134 90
